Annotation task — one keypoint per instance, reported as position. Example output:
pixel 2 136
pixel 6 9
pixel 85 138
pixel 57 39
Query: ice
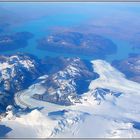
pixel 115 116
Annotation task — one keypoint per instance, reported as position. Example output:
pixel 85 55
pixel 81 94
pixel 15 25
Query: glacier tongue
pixel 111 78
pixel 117 115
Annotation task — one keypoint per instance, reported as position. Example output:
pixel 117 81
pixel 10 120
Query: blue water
pixel 136 125
pixel 124 48
pixel 4 130
pixel 42 26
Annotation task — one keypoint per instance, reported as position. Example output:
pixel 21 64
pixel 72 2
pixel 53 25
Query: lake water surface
pixel 42 26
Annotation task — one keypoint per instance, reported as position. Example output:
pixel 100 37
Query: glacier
pixel 110 109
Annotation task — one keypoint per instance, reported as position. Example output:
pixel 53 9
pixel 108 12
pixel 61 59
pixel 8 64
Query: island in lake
pixel 77 43
pixel 129 66
pixel 14 41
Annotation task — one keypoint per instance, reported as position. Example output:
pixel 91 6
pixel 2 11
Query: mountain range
pixel 64 97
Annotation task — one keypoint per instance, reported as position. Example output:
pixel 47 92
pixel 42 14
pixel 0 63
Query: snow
pixel 112 79
pixel 7 65
pixel 34 124
pixel 4 66
pixel 27 64
pixel 112 117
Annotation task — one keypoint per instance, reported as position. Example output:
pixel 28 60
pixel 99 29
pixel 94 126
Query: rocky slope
pixel 65 84
pixel 17 72
pixel 10 42
pixel 60 80
pixel 78 43
pixel 130 67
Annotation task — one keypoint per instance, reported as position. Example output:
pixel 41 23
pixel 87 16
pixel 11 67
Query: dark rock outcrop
pixel 14 41
pixel 68 82
pixel 130 67
pixel 78 43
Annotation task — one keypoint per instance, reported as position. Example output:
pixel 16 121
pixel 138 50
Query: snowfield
pixel 111 114
pixel 112 78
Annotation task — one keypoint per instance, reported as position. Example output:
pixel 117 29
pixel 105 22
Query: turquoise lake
pixel 42 26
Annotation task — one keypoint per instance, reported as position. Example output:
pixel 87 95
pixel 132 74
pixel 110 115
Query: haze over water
pixel 116 21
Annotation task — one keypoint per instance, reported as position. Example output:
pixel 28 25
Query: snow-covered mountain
pixel 61 78
pixel 110 108
pixel 65 86
pixel 17 72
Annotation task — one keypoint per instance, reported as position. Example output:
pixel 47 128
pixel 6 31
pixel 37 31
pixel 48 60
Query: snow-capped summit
pixel 110 105
pixel 16 73
pixel 65 86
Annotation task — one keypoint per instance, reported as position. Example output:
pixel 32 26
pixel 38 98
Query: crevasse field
pixel 69 70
